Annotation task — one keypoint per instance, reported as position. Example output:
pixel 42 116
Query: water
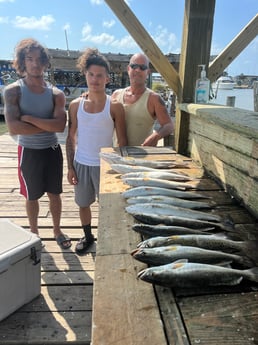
pixel 244 98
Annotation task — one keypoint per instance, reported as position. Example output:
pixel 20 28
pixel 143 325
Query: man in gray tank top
pixel 35 111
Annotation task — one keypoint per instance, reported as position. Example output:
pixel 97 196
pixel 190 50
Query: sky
pixel 91 23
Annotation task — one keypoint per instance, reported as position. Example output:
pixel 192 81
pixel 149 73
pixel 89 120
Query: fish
pixel 183 274
pixel 192 204
pixel 167 254
pixel 113 158
pixel 148 190
pixel 170 210
pixel 157 174
pixel 150 218
pixel 212 242
pixel 155 182
pixel 168 230
pixel 125 168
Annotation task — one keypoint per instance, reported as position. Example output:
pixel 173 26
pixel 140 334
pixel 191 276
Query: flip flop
pixel 62 239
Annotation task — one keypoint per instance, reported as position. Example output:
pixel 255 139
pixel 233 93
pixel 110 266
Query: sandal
pixel 63 241
pixel 83 244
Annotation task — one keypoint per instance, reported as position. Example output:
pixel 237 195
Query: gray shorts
pixel 87 189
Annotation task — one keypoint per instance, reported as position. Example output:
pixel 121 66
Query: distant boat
pixel 225 83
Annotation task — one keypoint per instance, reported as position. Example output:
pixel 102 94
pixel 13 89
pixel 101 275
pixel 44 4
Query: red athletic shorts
pixel 40 171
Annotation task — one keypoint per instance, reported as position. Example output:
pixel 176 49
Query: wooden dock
pixel 96 298
pixel 62 313
pixel 141 313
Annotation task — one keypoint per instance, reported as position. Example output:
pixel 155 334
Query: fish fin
pixel 234 282
pixel 226 263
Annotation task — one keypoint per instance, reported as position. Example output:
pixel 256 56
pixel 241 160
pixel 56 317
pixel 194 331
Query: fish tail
pixel 227 224
pixel 246 261
pixel 252 274
pixel 250 249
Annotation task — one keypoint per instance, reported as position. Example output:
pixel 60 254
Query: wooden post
pixel 256 96
pixel 231 101
pixel 218 65
pixel 196 43
pixel 147 44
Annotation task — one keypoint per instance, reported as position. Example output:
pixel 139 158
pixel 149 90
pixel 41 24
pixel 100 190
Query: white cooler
pixel 20 255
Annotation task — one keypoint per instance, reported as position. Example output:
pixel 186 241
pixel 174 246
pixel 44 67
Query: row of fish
pixel 178 226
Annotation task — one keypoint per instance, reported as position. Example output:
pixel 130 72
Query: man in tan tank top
pixel 142 106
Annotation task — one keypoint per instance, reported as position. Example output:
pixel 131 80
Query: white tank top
pixel 95 130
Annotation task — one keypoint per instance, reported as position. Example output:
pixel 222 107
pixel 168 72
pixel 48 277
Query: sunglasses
pixel 136 65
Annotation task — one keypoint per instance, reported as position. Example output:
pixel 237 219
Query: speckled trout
pixel 113 158
pixel 189 275
pixel 168 230
pixel 167 254
pixel 155 182
pixel 125 168
pixel 150 218
pixel 162 199
pixel 148 190
pixel 212 242
pixel 157 174
pixel 170 210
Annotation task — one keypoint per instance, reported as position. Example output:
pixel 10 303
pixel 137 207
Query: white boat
pixel 225 83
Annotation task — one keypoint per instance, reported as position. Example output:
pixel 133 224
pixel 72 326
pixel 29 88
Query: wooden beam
pixel 148 46
pixel 195 50
pixel 235 47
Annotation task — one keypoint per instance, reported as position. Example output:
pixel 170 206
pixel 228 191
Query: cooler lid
pixel 17 244
pixel 12 236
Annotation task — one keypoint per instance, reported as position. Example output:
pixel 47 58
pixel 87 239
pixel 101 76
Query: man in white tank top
pixel 92 120
pixel 142 106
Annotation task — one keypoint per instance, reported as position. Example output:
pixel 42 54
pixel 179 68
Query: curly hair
pixel 92 56
pixel 24 47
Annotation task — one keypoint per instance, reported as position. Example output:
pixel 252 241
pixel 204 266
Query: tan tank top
pixel 139 122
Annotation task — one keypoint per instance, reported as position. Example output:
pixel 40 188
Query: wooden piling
pixel 255 88
pixel 231 101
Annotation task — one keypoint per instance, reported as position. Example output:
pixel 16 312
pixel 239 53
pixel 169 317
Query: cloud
pixel 67 27
pixel 97 2
pixel 105 39
pixel 108 24
pixel 4 20
pixel 34 23
pixel 164 39
pixel 1 1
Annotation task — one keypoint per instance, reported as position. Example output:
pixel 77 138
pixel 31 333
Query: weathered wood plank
pixel 221 319
pixel 228 149
pixel 129 304
pixel 226 153
pixel 67 278
pixel 46 328
pixel 175 331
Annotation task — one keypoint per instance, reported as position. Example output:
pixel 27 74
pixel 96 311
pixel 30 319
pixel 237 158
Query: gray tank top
pixel 41 106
